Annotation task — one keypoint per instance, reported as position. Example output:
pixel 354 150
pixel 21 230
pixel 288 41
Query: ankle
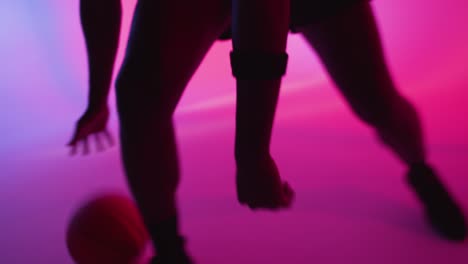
pixel 166 238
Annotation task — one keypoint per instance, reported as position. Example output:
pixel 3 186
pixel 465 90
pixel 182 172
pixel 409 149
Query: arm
pixel 100 21
pixel 260 29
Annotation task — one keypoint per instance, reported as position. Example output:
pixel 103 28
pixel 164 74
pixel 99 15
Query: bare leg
pixel 100 21
pixel 169 39
pixel 350 48
pixel 259 27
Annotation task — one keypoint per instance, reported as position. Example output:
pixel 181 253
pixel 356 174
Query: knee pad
pixel 258 66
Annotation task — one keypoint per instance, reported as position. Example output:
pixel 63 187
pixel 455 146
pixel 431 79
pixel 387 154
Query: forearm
pixel 259 27
pixel 101 22
pixel 255 112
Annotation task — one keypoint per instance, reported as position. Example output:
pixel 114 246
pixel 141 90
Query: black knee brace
pixel 258 66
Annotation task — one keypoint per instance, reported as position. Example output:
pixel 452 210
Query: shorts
pixel 307 12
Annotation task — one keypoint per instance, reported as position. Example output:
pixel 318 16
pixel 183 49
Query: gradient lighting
pixel 352 205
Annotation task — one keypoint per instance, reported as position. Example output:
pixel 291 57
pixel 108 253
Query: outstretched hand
pixel 92 123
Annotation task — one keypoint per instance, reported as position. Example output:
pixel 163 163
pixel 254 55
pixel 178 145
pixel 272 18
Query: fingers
pixel 288 195
pixel 109 137
pixel 275 201
pixel 72 142
pixel 73 148
pixel 78 135
pixel 99 146
pixel 82 145
pixel 74 139
pixel 85 146
pixel 91 125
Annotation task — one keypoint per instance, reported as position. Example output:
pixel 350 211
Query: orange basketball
pixel 107 229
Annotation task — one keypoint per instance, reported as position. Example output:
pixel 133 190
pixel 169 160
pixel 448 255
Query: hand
pixel 92 122
pixel 259 186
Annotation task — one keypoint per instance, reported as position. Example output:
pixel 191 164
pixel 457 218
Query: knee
pixel 374 116
pixel 384 111
pixel 375 111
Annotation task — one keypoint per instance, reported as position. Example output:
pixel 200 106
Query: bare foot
pixel 259 186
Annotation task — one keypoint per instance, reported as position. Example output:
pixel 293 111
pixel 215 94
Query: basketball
pixel 106 229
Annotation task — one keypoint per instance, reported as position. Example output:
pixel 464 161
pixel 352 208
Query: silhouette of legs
pixel 258 60
pixel 350 48
pixel 100 22
pixel 168 41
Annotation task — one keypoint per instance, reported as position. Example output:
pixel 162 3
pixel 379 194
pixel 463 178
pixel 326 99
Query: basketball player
pixel 345 36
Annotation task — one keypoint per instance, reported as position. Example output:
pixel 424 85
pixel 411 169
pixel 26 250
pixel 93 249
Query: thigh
pixel 350 48
pixel 167 43
pixel 307 12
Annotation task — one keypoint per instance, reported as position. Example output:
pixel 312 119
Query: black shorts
pixel 307 12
